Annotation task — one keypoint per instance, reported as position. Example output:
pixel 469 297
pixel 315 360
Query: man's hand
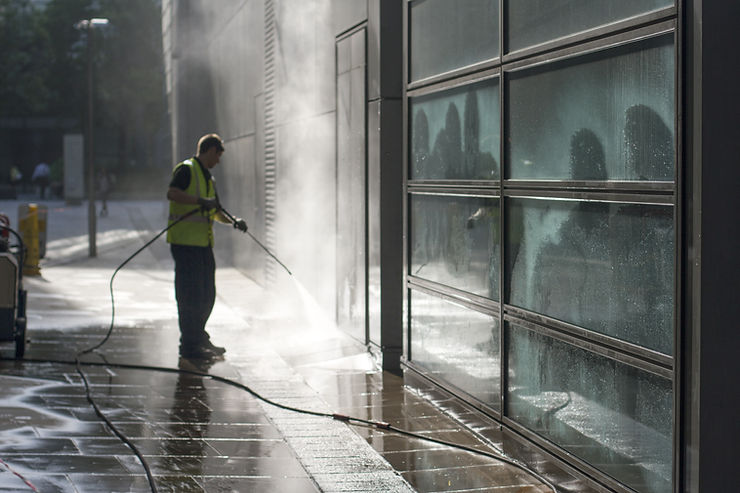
pixel 241 225
pixel 207 204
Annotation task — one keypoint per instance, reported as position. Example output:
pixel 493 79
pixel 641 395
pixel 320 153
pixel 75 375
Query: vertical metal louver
pixel 270 144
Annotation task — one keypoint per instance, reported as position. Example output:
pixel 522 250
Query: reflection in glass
pixel 533 22
pixel 455 241
pixel 623 96
pixel 455 133
pixel 613 416
pixel 605 267
pixel 445 37
pixel 458 345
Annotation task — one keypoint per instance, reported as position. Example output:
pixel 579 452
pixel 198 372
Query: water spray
pixel 234 221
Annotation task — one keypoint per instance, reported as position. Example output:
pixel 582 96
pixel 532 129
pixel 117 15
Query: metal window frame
pixel 604 345
pixel 473 301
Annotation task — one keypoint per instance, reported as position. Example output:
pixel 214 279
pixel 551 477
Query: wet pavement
pixel 200 434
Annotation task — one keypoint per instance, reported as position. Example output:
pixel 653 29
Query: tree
pixel 24 58
pixel 131 77
pixel 128 66
pixel 67 64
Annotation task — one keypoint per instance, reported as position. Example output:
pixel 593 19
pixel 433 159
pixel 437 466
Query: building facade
pixel 531 203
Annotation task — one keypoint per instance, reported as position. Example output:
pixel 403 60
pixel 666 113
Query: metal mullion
pixel 406 310
pixel 503 110
pixel 366 165
pixel 616 28
pixel 455 191
pixel 679 164
pixel 603 44
pixel 649 355
pixel 599 196
pixel 489 73
pixel 457 74
pixel 664 187
pixel 602 345
pixel 482 184
pixel 469 300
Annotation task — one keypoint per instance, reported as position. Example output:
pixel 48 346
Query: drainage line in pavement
pixel 380 425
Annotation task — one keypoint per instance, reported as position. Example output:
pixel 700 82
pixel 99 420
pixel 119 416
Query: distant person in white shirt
pixel 41 178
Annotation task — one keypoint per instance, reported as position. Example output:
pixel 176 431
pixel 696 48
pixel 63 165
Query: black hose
pixel 129 259
pixel 116 431
pixel 380 425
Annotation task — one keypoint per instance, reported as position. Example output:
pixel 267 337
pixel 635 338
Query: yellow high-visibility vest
pixel 196 230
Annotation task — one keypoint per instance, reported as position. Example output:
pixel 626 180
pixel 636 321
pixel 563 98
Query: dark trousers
pixel 195 291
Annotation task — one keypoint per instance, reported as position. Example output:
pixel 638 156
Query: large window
pixel 606 267
pixel 612 415
pixel 455 241
pixel 605 116
pixel 447 35
pixel 455 133
pixel 457 345
pixel 542 224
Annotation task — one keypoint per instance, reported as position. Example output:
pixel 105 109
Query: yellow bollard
pixel 28 225
pixel 43 212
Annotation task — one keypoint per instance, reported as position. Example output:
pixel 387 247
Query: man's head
pixel 210 148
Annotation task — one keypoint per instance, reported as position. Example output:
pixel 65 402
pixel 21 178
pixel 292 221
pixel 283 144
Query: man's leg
pixel 189 293
pixel 209 299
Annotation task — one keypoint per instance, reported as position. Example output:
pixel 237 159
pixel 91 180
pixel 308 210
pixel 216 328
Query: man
pixel 41 178
pixel 192 191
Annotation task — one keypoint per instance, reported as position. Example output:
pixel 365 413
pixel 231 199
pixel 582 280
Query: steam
pixel 228 42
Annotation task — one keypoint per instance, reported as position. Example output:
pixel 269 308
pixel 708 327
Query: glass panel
pixel 616 417
pixel 605 267
pixel 605 116
pixel 455 133
pixel 532 22
pixel 459 345
pixel 351 181
pixel 455 241
pixel 445 36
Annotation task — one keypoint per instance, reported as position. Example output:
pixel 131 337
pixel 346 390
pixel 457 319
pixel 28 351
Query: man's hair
pixel 208 141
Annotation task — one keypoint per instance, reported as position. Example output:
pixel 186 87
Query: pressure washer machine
pixel 12 294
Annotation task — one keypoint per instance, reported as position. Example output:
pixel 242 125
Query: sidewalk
pixel 198 434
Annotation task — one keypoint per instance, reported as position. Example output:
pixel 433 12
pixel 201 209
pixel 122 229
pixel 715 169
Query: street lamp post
pixel 89 26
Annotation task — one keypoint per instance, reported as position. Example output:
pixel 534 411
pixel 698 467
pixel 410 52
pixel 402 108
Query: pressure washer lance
pixel 234 223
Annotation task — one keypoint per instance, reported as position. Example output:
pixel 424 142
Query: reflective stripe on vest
pixel 195 230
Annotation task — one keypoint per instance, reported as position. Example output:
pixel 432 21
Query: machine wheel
pixel 20 337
